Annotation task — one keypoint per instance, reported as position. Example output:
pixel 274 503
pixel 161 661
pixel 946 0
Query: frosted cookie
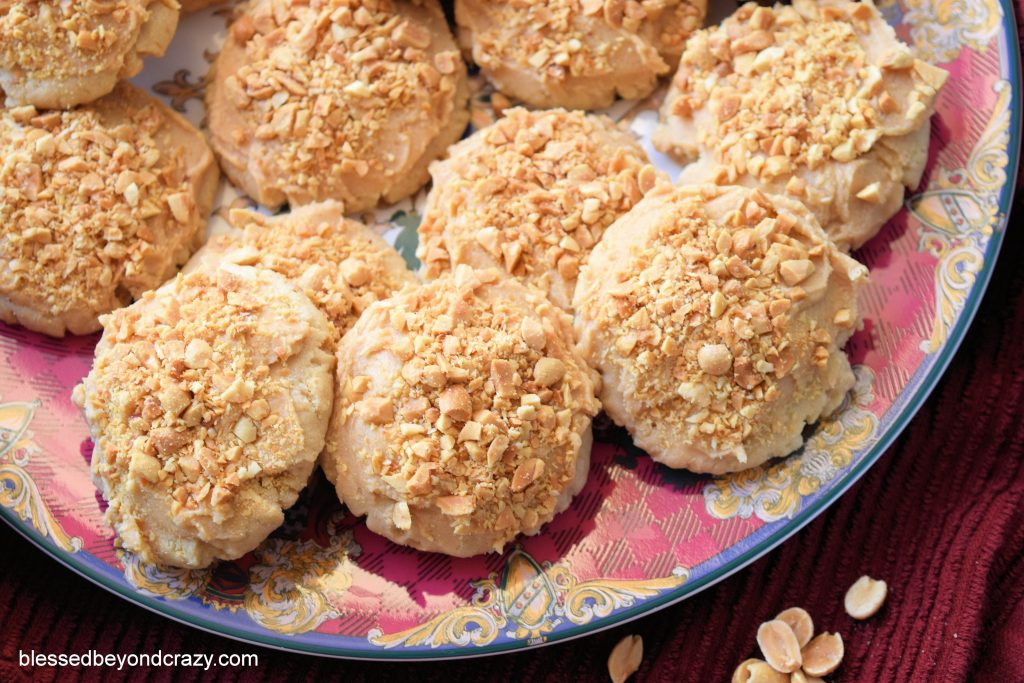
pixel 532 194
pixel 818 101
pixel 340 264
pixel 97 205
pixel 207 402
pixel 576 54
pixel 462 414
pixel 717 317
pixel 55 55
pixel 336 99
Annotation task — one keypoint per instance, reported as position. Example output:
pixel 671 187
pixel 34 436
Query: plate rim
pixel 80 565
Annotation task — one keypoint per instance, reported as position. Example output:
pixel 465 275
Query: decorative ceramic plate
pixel 640 536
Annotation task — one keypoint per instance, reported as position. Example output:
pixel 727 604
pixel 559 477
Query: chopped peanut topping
pixel 703 317
pixel 342 265
pixel 202 408
pixel 376 410
pixel 611 45
pixel 785 98
pixel 456 403
pixel 795 271
pixel 97 207
pixel 401 516
pixel 490 427
pixel 197 354
pixel 714 359
pixel 548 371
pixel 338 98
pixel 532 194
pixel 533 334
pixel 67 41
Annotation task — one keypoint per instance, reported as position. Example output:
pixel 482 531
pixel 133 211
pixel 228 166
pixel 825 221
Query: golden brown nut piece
pixel 340 264
pixel 462 414
pixel 208 402
pixel 58 54
pixel 577 54
pixel 532 194
pixel 818 101
pixel 98 205
pixel 336 99
pixel 716 316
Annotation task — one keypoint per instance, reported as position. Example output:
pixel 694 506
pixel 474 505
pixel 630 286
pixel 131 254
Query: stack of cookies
pixel 561 273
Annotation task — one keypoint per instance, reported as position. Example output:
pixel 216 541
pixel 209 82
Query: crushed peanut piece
pixel 548 371
pixel 401 516
pixel 456 403
pixel 533 334
pixel 377 410
pixel 865 597
pixel 714 359
pixel 779 646
pixel 800 621
pixel 823 654
pixel 757 671
pixel 625 658
pixel 871 193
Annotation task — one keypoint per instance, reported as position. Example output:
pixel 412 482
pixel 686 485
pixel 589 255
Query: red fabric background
pixel 940 517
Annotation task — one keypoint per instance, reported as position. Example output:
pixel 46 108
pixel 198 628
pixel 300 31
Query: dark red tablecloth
pixel 940 517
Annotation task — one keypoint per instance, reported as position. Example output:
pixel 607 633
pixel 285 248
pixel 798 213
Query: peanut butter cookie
pixel 462 414
pixel 97 205
pixel 820 101
pixel 717 317
pixel 532 194
pixel 208 402
pixel 336 99
pixel 577 54
pixel 55 54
